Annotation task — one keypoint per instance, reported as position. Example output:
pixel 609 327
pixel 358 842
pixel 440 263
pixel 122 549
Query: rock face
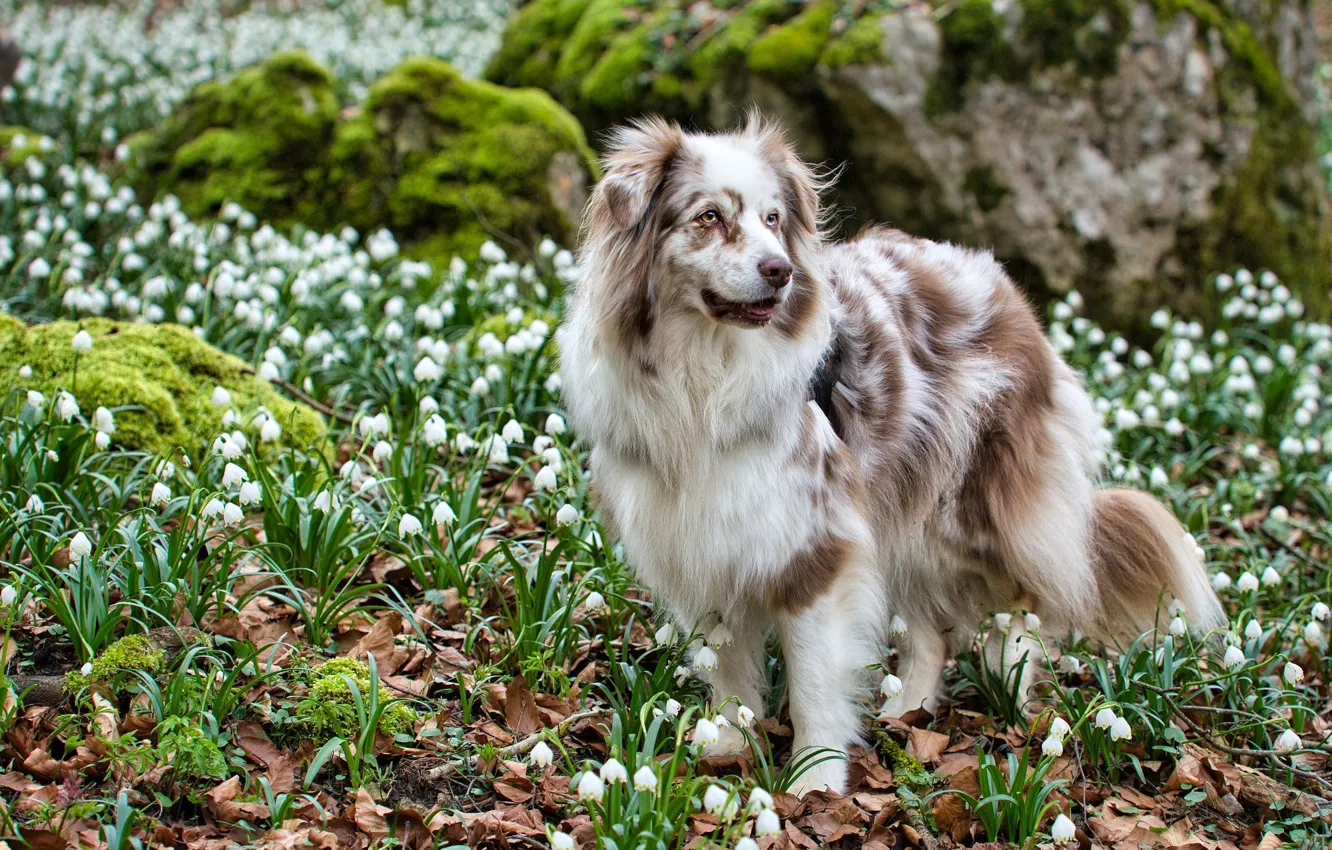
pixel 163 372
pixel 1127 149
pixel 444 161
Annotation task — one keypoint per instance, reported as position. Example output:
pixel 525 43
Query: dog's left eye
pixel 772 219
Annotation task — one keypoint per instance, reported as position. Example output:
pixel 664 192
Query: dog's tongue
pixel 760 312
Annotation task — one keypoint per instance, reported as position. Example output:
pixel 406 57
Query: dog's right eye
pixel 709 217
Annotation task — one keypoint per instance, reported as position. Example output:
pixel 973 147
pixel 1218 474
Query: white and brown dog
pixel 948 473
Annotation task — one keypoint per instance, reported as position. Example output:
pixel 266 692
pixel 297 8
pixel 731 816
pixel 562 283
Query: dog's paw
pixel 730 741
pixel 828 776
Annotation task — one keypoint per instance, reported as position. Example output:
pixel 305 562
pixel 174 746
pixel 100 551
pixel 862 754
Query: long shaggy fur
pixel 960 484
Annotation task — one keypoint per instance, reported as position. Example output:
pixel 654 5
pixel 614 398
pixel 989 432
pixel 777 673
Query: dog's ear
pixel 638 158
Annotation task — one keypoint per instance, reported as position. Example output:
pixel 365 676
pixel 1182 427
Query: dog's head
pixel 713 227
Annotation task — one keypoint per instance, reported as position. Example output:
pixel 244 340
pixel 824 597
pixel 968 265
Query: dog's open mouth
pixel 757 313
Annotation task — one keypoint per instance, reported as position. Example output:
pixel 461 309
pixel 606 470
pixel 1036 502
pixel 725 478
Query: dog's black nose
pixel 776 271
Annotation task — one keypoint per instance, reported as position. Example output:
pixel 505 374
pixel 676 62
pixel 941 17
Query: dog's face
pixel 707 225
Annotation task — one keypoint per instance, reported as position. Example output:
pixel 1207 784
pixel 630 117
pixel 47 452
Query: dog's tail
pixel 1144 559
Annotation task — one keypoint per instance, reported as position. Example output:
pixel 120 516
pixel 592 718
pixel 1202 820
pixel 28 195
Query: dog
pixel 824 438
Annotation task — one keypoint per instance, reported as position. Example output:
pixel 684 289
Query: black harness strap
pixel 824 379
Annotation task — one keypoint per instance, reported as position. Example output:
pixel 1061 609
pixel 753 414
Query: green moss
pixel 1085 32
pixel 531 46
pixel 158 379
pixel 860 44
pixel 729 46
pixel 907 770
pixel 18 144
pixel 985 187
pixel 974 48
pixel 791 51
pixel 329 709
pixel 119 665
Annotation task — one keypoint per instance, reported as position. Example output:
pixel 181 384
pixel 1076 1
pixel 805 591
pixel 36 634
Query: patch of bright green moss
pixel 158 379
pixel 18 144
pixel 532 42
pixel 790 51
pixel 860 44
pixel 119 665
pixel 974 47
pixel 907 770
pixel 329 710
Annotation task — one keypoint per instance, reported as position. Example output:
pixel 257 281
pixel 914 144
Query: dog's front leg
pixel 821 669
pixel 738 677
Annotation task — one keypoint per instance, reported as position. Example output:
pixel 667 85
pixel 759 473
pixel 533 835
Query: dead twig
pixel 300 395
pixel 1299 554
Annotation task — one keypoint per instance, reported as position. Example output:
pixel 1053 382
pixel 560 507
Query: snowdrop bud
pixel 1003 622
pixel 705 732
pixel 673 708
pixel 232 514
pixel 323 501
pixel 1220 581
pixel 555 424
pixel 250 494
pixel 645 780
pixel 1062 830
pixel 1053 747
pixel 590 788
pixel 744 715
pixel 897 626
pixel 767 823
pixel 1105 718
pixel 82 341
pixel 269 431
pixel 1320 611
pixel 1233 658
pixel 890 687
pixel 1287 742
pixel 612 772
pixel 1293 673
pixel 512 432
pixel 80 546
pixel 595 602
pixel 714 799
pixel 1120 730
pixel 221 398
pixel 706 659
pixel 233 474
pixel 1059 727
pixel 720 636
pixel 34 504
pixel 567 515
pixel 542 755
pixel 8 596
pixel 545 479
pixel 666 635
pixel 409 526
pixel 561 841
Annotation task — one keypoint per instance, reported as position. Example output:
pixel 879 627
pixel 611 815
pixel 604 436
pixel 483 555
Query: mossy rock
pixel 329 710
pixel 444 161
pixel 19 143
pixel 119 665
pixel 158 379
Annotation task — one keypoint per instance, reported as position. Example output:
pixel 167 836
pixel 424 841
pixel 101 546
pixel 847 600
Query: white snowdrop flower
pixel 25 372
pixel 706 659
pixel 555 424
pixel 552 458
pixel 1141 359
pixel 545 479
pixel 214 508
pixel 35 399
pixel 591 789
pixel 1174 427
pixel 1233 658
pixel 427 370
pixel 104 421
pixel 232 514
pixel 267 372
pixel 705 733
pixel 553 383
pixel 161 494
pixel 351 302
pixel 493 374
pixel 714 799
pixel 1032 621
pixel 1003 621
pixel 498 449
pixel 221 398
pixel 1126 419
pixel 82 341
pixel 595 602
pixel 1320 611
pixel 744 715
pixel 250 493
pixel 541 443
pixel 1105 718
pixel 1293 673
pixel 890 687
pixel 1052 747
pixel 1069 664
pixel 721 721
pixel 1271 578
pixel 1248 582
pixel 767 823
pixel 720 636
pixel 542 755
pixel 1063 312
pixel 567 515
pixel 1158 479
pixel 1220 581
pixel 512 431
pixel 1160 319
pixel 666 635
pixel 434 432
pixel 52 455
pixel 233 474
pixel 382 451
pixel 746 843
pixel 613 772
pixel 645 779
pixel 1279 513
pixel 1287 742
pixel 492 253
pixel 1263 365
pixel 102 440
pixel 1253 630
pixel 8 596
pixel 480 387
pixel 80 546
pixel 1120 730
pixel 409 526
pixel 86 669
pixel 39 268
pixel 673 707
pixel 1062 831
pixel 1313 633
pixel 463 443
pixel 428 406
pixel 1059 728
pixel 323 501
pixel 269 431
pixel 561 841
pixel 1178 627
pixel 443 514
pixel 34 504
pixel 66 407
pixel 897 626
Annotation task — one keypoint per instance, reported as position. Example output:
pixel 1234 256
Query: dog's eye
pixel 772 219
pixel 709 217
